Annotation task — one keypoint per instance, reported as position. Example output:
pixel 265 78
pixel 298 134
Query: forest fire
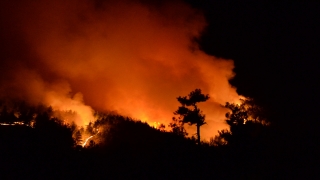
pixel 143 89
pixel 130 57
pixel 87 139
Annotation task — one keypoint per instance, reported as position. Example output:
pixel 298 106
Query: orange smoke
pixel 131 57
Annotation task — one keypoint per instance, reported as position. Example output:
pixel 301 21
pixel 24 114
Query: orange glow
pixel 126 56
pixel 87 139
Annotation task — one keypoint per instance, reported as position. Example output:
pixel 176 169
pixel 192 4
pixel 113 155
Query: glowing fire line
pixel 85 142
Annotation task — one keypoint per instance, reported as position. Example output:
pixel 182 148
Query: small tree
pixel 78 138
pixel 189 112
pixel 177 127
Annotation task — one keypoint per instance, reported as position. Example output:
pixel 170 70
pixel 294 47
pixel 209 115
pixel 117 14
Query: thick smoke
pixel 130 57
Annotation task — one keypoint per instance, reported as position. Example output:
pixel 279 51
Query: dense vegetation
pixel 45 147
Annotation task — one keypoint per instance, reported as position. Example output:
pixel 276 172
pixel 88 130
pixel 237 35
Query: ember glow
pixel 87 139
pixel 130 57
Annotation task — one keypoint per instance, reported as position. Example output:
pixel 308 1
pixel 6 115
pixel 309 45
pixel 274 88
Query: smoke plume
pixel 131 57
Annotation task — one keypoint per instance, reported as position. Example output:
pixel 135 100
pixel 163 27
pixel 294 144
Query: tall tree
pixel 189 112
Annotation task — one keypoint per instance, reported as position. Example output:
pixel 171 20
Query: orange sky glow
pixel 129 57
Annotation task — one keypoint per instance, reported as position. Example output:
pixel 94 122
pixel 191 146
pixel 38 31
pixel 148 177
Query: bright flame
pixel 156 124
pixel 85 142
pixel 131 57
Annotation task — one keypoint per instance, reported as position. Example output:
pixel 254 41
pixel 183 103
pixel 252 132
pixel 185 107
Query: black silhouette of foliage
pixel 26 113
pixel 246 123
pixel 189 112
pixel 177 127
pixel 7 116
pixel 221 139
pixel 161 127
pixel 126 148
pixel 78 138
pixel 52 131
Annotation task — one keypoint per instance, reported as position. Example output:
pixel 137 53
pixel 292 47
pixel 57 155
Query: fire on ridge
pixel 130 57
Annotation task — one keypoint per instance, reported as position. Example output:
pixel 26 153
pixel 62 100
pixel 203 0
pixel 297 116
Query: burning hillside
pixel 131 57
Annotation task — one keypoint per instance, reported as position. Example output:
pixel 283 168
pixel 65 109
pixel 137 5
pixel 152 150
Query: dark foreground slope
pixel 134 150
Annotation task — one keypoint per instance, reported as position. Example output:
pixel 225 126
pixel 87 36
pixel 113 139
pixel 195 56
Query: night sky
pixel 275 47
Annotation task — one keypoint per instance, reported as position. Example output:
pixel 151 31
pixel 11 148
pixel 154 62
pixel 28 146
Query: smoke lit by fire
pixel 130 57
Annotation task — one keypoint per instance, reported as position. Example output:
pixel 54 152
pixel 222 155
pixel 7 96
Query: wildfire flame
pixel 127 56
pixel 87 139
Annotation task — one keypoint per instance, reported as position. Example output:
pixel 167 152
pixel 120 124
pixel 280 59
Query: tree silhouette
pixel 7 115
pixel 177 127
pixel 246 122
pixel 52 132
pixel 26 113
pixel 189 112
pixel 78 138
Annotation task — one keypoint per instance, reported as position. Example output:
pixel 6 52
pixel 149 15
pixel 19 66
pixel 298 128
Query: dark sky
pixel 276 52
